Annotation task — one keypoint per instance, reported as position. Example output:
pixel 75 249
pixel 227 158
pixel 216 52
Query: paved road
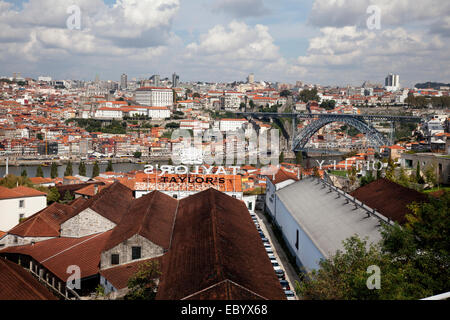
pixel 291 275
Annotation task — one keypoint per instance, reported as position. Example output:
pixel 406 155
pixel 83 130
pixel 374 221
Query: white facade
pixel 109 113
pixel 12 210
pixel 155 97
pixel 232 124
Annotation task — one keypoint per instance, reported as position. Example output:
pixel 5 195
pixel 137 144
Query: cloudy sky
pixel 316 41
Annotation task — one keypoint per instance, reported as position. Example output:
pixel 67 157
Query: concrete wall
pixel 307 255
pixel 10 211
pixel 250 202
pixel 148 250
pixel 442 164
pixel 10 240
pixel 86 223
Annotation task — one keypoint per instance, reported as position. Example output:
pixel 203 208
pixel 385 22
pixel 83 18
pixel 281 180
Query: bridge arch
pixel 376 139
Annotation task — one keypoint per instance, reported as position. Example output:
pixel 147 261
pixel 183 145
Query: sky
pixel 327 42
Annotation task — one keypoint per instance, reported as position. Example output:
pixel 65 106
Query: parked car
pixel 276 266
pixel 269 250
pixel 272 257
pixel 265 240
pixel 267 245
pixel 290 295
pixel 285 285
pixel 280 274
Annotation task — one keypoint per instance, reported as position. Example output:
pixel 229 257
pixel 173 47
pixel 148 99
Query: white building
pixel 315 219
pixel 232 124
pixel 108 113
pixel 154 96
pixel 19 203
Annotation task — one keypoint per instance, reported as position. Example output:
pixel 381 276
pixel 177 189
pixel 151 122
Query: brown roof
pixel 389 198
pixel 282 175
pixel 118 276
pixel 19 192
pixel 215 240
pixel 58 254
pixel 45 223
pixel 151 216
pixel 112 202
pixel 19 284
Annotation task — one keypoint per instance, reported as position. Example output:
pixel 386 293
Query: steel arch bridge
pixel 375 138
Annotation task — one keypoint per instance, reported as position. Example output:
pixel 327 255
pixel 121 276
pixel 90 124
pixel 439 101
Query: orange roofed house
pixel 19 203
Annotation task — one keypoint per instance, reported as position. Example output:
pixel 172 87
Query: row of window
pixel 136 253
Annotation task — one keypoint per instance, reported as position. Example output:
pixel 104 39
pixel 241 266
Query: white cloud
pixel 239 48
pixel 241 8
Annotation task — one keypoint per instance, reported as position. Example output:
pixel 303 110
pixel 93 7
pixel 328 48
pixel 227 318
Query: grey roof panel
pixel 325 217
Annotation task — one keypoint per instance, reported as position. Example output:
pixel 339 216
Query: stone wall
pixel 148 250
pixel 86 223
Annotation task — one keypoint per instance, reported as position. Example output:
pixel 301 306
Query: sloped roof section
pixel 110 203
pixel 151 216
pixel 215 240
pixel 389 198
pixel 58 254
pixel 18 284
pixel 45 223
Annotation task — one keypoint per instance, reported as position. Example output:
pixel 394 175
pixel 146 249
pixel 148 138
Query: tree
pixel 430 175
pixel 328 104
pixel 95 170
pixel 69 170
pixel 390 170
pixel 39 136
pixel 68 197
pixel 54 170
pixel 82 169
pixel 143 284
pixel 281 158
pixel 285 93
pixel 345 276
pixel 39 172
pixel 12 181
pixel 309 95
pixel 109 168
pixel 403 178
pixel 299 158
pixel 369 178
pixel 53 196
pixel 24 173
pixel 137 154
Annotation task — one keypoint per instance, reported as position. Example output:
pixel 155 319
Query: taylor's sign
pixel 185 170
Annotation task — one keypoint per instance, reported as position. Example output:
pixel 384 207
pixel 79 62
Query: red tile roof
pixel 388 198
pixel 215 242
pixel 151 216
pixel 19 284
pixel 19 192
pixel 58 254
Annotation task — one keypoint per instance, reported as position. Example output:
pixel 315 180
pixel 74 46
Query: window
pixel 296 240
pixel 175 196
pixel 135 253
pixel 21 203
pixel 250 206
pixel 114 259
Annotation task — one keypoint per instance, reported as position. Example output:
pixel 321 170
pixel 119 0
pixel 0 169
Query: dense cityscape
pixel 155 187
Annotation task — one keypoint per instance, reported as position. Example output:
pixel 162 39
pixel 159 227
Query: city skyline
pixel 317 42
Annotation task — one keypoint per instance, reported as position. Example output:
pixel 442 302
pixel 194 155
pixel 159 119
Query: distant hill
pixel 431 85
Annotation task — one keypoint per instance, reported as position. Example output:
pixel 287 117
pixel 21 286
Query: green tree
pixel 309 95
pixel 54 170
pixel 403 178
pixel 95 170
pixel 299 158
pixel 143 284
pixel 344 276
pixel 68 197
pixel 69 170
pixel 430 175
pixel 53 196
pixel 82 169
pixel 109 168
pixel 281 158
pixel 369 178
pixel 12 181
pixel 24 173
pixel 39 172
pixel 390 170
pixel 137 155
pixel 328 104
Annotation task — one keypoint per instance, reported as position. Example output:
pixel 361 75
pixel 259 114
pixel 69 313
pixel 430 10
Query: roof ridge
pixel 218 264
pixel 153 195
pixel 75 245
